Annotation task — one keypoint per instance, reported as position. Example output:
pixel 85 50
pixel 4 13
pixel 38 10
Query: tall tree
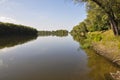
pixel 111 9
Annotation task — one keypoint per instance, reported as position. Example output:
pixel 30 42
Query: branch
pixel 101 6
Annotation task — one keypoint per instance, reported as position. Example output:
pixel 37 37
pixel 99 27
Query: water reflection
pixel 59 33
pixel 50 58
pixel 10 41
pixel 99 66
pixel 46 58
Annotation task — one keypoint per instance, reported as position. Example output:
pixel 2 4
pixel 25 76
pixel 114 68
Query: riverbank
pixel 105 44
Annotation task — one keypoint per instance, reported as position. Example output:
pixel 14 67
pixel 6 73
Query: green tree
pixel 80 29
pixel 15 29
pixel 96 20
pixel 111 8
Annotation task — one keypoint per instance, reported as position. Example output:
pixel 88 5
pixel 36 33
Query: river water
pixel 50 58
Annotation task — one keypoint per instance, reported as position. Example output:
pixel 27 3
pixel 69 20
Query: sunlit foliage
pixel 102 14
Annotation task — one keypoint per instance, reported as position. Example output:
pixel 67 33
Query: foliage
pixel 94 36
pixel 13 29
pixel 80 29
pixel 96 20
pixel 90 38
pixel 102 14
pixel 103 42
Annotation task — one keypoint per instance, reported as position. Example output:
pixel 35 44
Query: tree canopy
pixel 102 14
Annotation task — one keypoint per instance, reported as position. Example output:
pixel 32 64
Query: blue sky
pixel 42 14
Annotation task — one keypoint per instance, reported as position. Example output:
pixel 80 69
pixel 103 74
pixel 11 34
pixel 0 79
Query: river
pixel 50 58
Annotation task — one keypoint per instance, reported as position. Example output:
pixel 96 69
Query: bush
pixel 94 36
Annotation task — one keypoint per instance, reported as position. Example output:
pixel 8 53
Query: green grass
pixel 91 37
pixel 105 42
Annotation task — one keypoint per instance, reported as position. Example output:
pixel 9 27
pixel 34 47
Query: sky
pixel 42 14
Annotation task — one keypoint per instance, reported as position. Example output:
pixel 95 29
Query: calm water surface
pixel 50 58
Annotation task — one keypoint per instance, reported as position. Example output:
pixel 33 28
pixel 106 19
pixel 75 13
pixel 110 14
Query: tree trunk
pixel 114 26
pixel 113 21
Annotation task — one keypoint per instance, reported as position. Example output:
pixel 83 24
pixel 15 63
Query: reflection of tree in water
pixel 99 66
pixel 58 33
pixel 10 41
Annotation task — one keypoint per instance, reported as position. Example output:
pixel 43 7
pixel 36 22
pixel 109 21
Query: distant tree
pixel 14 29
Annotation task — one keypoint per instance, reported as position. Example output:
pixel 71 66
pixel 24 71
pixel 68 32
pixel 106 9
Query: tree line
pixel 101 15
pixel 14 29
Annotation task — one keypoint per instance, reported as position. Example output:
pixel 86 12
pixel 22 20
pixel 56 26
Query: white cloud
pixel 9 20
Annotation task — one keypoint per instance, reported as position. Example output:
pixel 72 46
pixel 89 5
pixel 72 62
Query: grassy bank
pixel 14 29
pixel 104 43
